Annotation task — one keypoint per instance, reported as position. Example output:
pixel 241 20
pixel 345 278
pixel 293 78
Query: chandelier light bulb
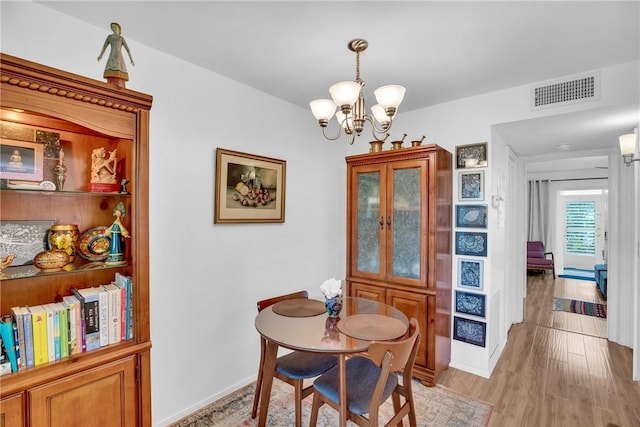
pixel 345 121
pixel 323 109
pixel 389 96
pixel 379 114
pixel 345 93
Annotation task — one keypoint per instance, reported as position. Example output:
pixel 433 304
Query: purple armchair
pixel 537 258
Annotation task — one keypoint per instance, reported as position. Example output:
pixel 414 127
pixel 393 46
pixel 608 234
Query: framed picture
pixel 470 273
pixel 470 185
pixel 468 243
pixel 470 303
pixel 21 160
pixel 469 331
pixel 471 216
pixel 24 239
pixel 248 188
pixel 471 156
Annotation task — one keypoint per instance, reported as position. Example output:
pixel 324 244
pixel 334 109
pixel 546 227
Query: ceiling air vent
pixel 566 91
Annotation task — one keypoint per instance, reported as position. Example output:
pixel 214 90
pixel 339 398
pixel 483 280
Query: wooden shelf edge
pixel 32 377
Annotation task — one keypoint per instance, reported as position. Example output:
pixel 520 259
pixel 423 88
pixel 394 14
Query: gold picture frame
pixel 248 188
pixel 21 160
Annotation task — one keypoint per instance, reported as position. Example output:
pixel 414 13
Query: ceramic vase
pixel 64 237
pixel 333 305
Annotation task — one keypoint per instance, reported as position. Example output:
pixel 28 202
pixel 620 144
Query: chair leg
pixel 298 402
pixel 412 407
pixel 395 397
pixel 314 409
pixel 256 396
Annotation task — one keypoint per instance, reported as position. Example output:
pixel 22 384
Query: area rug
pixel 576 273
pixel 435 407
pixel 580 307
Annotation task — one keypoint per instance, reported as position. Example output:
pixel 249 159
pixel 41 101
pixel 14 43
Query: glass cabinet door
pixel 405 221
pixel 368 222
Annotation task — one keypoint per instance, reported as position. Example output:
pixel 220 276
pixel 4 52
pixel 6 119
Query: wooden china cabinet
pixel 52 109
pixel 399 242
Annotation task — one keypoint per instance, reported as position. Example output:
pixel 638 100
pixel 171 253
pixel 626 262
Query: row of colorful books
pixel 87 319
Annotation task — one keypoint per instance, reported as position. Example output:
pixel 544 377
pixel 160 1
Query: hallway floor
pixel 557 368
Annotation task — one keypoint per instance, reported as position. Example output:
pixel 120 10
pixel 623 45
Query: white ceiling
pixel 439 50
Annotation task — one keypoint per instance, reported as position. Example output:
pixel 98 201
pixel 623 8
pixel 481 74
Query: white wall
pixel 206 278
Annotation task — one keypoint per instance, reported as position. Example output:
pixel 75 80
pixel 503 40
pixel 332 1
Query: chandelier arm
pixel 331 138
pixel 375 131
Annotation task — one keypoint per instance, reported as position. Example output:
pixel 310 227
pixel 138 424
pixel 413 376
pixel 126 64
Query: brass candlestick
pixel 61 172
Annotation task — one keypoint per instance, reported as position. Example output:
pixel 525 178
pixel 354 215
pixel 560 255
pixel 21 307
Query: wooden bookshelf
pixel 81 114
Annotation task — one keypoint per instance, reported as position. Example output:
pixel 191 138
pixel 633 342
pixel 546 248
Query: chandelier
pixel 351 114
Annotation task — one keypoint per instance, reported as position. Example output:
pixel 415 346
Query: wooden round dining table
pixel 303 325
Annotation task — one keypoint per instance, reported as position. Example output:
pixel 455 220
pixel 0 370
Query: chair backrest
pixel 270 301
pixel 399 354
pixel 535 249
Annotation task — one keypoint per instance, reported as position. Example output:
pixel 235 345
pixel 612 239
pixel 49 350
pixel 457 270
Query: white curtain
pixel 539 211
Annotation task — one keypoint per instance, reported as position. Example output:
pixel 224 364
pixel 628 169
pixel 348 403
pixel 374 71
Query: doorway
pixel 584 234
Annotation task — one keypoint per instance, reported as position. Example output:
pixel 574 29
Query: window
pixel 581 227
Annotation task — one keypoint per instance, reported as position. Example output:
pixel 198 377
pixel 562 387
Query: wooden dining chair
pixel 292 368
pixel 371 380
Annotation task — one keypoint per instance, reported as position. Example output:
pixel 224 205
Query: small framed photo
pixel 248 188
pixel 470 273
pixel 471 156
pixel 469 331
pixel 471 243
pixel 470 185
pixel 21 160
pixel 470 303
pixel 471 216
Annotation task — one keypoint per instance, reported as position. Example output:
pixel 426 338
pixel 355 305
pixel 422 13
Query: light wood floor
pixel 557 368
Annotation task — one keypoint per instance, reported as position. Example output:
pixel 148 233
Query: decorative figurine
pixel 4 263
pixel 116 71
pixel 116 232
pixel 61 171
pixel 123 186
pixel 103 171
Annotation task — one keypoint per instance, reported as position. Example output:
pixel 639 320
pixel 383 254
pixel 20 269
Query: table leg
pixel 268 370
pixel 343 389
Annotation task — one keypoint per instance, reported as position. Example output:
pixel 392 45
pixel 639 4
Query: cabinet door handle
pixel 389 222
pixel 381 223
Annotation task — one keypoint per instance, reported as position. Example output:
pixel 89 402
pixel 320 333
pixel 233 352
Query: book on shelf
pixel 72 304
pixel 53 332
pixel 89 300
pixel 103 314
pixel 82 343
pixel 6 332
pixel 18 327
pixel 125 281
pixel 27 352
pixel 5 364
pixel 40 340
pixel 64 330
pixel 17 344
pixel 114 312
pixel 123 311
